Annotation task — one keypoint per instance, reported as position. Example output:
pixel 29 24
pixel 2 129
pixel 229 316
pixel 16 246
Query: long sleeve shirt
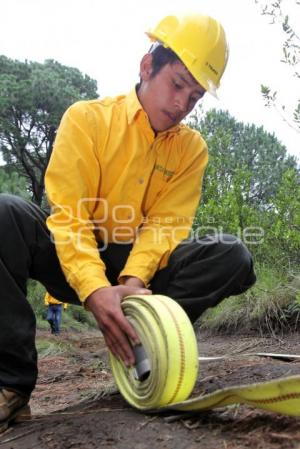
pixel 111 179
pixel 48 299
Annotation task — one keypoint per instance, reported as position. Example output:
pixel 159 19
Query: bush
pixel 272 305
pixel 74 317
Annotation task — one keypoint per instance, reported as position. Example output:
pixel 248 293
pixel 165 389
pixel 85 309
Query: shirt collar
pixel 133 105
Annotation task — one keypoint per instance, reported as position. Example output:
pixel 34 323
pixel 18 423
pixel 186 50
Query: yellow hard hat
pixel 200 43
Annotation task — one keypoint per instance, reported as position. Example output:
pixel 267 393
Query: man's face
pixel 170 95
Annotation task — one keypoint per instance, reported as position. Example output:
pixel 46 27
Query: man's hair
pixel 161 56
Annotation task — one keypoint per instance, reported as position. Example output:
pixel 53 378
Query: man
pixel 54 313
pixel 124 183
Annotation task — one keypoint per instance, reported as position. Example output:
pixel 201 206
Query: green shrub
pixel 74 317
pixel 272 305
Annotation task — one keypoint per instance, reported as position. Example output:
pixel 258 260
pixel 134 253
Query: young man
pixel 124 183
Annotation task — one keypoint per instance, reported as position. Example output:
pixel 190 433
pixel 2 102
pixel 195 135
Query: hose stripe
pixel 182 353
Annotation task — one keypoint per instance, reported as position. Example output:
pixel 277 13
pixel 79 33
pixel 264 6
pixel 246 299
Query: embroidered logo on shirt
pixel 164 170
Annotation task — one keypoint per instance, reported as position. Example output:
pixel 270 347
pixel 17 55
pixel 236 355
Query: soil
pixel 76 405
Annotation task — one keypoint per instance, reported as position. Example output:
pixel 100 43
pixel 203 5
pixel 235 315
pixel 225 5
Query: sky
pixel 106 40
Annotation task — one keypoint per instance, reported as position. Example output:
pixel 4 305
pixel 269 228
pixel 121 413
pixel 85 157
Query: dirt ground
pixel 76 404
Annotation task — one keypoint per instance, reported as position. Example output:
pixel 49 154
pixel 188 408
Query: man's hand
pixel 132 281
pixel 105 304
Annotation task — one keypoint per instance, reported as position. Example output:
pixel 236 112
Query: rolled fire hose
pixel 167 366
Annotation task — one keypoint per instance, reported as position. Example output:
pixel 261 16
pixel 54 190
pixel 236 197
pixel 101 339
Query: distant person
pixel 124 183
pixel 54 313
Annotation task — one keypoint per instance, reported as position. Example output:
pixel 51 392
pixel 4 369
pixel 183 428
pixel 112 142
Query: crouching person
pixel 120 166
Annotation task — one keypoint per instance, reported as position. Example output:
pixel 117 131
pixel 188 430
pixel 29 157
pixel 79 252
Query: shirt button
pixel 141 181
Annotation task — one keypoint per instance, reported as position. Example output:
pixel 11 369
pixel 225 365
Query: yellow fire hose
pixel 170 364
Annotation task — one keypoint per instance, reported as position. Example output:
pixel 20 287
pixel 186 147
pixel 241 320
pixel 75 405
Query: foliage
pixel 33 98
pixel 250 189
pixel 277 12
pixel 271 306
pixel 35 295
pixel 77 317
pixel 243 150
pixel 74 317
pixel 12 182
pixel 284 225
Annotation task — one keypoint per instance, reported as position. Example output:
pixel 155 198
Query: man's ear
pixel 146 67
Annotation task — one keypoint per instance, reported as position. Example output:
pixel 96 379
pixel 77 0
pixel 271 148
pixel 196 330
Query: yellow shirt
pixel 48 299
pixel 110 179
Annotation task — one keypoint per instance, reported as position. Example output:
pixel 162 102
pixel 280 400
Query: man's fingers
pixel 113 347
pixel 128 329
pixel 117 350
pixel 118 332
pixel 127 290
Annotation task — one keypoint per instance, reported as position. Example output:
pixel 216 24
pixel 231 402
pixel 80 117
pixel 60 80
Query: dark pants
pixel 54 317
pixel 199 275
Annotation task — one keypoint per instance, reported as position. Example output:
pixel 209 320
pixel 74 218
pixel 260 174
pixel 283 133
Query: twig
pixel 189 425
pixel 87 412
pixel 284 436
pixel 205 379
pixel 243 347
pixel 16 437
pixel 180 416
pixel 145 423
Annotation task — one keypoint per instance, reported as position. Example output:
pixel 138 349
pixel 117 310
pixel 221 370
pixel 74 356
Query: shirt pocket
pixel 158 182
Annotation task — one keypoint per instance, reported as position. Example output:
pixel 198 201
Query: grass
pixel 47 347
pixel 77 318
pixel 270 307
pixel 73 318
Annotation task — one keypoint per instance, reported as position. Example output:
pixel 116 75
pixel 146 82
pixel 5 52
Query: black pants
pixel 199 275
